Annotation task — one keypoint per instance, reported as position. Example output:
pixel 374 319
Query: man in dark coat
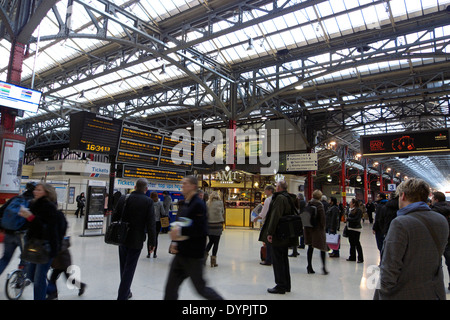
pixel 137 210
pixel 188 244
pixel 440 205
pixel 283 203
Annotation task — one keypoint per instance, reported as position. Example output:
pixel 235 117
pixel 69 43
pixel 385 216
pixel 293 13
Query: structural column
pixel 8 116
pixel 231 150
pixel 366 189
pixel 344 176
pixel 381 178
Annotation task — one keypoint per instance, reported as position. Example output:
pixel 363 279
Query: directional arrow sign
pixel 301 162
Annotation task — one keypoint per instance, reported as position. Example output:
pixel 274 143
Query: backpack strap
pixel 433 234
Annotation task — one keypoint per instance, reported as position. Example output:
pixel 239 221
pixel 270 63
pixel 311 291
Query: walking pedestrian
pixel 315 237
pixel 216 212
pixel 159 213
pixel 188 244
pixel 81 203
pixel 136 209
pixel 43 225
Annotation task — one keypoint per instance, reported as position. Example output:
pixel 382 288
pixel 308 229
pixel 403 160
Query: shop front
pixel 240 191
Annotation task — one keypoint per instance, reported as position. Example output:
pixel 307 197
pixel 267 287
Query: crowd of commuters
pixel 411 232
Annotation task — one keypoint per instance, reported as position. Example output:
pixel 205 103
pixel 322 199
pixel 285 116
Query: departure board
pixel 132 144
pixel 151 174
pixel 93 133
pixel 145 146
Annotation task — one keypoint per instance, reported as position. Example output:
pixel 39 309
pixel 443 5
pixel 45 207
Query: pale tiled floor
pixel 238 277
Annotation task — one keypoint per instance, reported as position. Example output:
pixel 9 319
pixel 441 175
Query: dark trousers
pixel 379 237
pixel 183 267
pixel 79 210
pixel 213 243
pixel 128 258
pixel 158 230
pixel 269 259
pixel 280 263
pixel 355 245
pixel 447 258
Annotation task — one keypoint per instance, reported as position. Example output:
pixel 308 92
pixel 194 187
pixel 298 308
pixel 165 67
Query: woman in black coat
pixel 43 225
pixel 354 231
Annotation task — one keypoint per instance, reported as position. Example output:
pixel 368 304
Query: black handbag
pixel 36 251
pixel 288 227
pixel 345 232
pixel 117 231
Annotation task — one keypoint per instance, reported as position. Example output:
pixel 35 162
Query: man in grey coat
pixel 411 267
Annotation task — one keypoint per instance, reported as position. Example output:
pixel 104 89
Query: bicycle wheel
pixel 15 283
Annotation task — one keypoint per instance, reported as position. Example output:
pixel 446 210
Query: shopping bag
pixel 164 222
pixel 333 241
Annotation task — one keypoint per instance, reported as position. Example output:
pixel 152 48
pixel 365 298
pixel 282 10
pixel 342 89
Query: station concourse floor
pixel 239 275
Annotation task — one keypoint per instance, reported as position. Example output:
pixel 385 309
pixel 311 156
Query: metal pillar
pixel 366 189
pixel 381 178
pixel 344 177
pixel 8 115
pixel 231 150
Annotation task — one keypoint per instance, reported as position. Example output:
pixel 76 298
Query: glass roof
pixel 324 21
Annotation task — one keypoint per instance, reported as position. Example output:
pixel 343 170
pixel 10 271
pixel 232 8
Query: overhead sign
pixel 301 162
pixel 406 143
pixel 17 97
pixel 392 187
pixel 151 174
pixel 144 146
pixel 94 133
pixel 131 143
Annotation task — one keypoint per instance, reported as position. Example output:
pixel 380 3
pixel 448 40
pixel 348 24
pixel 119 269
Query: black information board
pixel 95 204
pixel 406 143
pixel 131 143
pixel 145 146
pixel 93 133
pixel 150 173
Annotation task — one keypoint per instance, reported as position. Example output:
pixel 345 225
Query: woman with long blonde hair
pixel 215 225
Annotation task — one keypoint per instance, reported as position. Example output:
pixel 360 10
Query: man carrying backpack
pixel 14 225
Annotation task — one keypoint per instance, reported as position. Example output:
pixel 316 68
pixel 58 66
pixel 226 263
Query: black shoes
pixel 277 290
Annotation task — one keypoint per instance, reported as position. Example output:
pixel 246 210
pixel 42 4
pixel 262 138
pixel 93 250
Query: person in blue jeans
pixel 43 225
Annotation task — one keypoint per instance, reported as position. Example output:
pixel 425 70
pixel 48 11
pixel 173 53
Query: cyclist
pixel 12 237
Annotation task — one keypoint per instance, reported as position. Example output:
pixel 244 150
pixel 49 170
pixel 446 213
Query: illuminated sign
pixel 406 143
pixel 151 174
pixel 17 97
pixel 93 133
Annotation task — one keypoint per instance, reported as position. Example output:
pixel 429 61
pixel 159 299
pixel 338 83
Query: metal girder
pixel 136 36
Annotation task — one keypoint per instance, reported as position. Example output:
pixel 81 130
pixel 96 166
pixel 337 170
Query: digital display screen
pixel 93 133
pixel 131 143
pixel 406 143
pixel 151 174
pixel 142 145
pixel 18 97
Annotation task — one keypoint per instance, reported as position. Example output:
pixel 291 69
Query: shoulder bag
pixel 36 251
pixel 117 231
pixel 433 235
pixel 289 226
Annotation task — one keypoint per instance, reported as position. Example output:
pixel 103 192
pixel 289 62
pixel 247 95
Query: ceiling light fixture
pixel 250 44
